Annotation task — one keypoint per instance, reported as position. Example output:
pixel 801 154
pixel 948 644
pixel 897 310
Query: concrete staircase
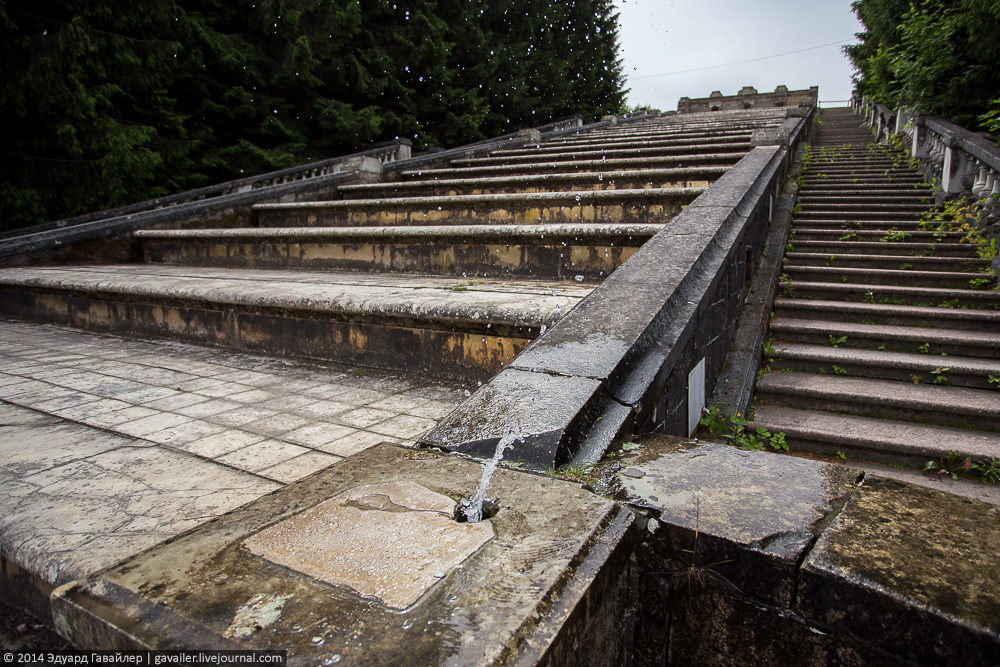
pixel 450 270
pixel 884 348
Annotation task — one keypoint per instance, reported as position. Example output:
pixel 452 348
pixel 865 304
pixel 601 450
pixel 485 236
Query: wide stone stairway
pixel 886 333
pixel 450 270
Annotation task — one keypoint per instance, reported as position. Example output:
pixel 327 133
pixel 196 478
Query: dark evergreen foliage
pixel 939 57
pixel 107 102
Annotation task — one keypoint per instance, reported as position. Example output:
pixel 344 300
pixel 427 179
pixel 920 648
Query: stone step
pixel 937 404
pixel 861 182
pixel 609 154
pixel 427 324
pixel 896 294
pixel 953 371
pixel 863 210
pixel 634 206
pixel 559 252
pixel 872 231
pixel 910 249
pixel 550 167
pixel 574 181
pixel 915 339
pixel 881 276
pixel 970 319
pixel 817 198
pixel 873 439
pixel 883 260
pixel 622 146
pixel 883 227
pixel 819 164
pixel 820 188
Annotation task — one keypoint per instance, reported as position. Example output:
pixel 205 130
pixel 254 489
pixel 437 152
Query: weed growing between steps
pixel 735 430
pixel 986 469
pixel 960 215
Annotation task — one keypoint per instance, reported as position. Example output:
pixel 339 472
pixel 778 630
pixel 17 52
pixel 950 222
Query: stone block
pixel 913 570
pixel 748 517
pixel 541 582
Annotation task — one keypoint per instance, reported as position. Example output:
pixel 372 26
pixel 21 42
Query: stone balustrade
pixel 960 162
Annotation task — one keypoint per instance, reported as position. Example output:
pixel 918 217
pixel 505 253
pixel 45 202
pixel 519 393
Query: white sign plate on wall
pixel 696 396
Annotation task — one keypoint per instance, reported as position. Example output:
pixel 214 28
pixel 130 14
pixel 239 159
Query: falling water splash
pixel 474 512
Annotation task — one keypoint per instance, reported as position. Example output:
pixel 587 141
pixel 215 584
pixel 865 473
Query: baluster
pixel 980 184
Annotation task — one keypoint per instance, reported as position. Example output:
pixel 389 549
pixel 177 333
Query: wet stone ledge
pixel 760 558
pixel 543 581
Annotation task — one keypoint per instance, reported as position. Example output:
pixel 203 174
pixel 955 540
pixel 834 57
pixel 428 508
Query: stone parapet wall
pixel 749 98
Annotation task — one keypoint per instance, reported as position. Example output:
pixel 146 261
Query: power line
pixel 751 60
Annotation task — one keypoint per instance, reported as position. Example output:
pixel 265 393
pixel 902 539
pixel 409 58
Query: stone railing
pixel 209 203
pixel 961 163
pixel 386 153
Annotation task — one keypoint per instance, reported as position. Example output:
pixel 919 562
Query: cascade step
pixel 895 294
pixel 614 140
pixel 565 252
pixel 885 261
pixel 883 276
pixel 622 146
pixel 911 249
pixel 678 152
pixel 934 342
pixel 609 180
pixel 867 438
pixel 969 319
pixel 441 326
pixel 951 406
pixel 551 167
pixel 906 366
pixel 634 206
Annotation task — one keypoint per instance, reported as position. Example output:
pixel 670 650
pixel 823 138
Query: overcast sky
pixel 661 37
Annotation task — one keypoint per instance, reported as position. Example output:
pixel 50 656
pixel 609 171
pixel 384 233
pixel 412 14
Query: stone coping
pixel 601 360
pixel 415 234
pixel 572 198
pixel 446 301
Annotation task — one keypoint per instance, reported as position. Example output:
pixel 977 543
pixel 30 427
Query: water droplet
pixel 543 329
pixel 296 628
pixel 468 393
pixel 578 278
pixel 332 660
pixel 317 641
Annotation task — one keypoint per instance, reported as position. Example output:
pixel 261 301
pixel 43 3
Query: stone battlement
pixel 749 98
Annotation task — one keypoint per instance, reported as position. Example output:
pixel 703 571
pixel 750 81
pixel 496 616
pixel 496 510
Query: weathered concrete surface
pixel 77 499
pixel 390 541
pixel 581 252
pixel 758 558
pixel 460 328
pixel 912 570
pixel 109 446
pixel 636 206
pixel 520 599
